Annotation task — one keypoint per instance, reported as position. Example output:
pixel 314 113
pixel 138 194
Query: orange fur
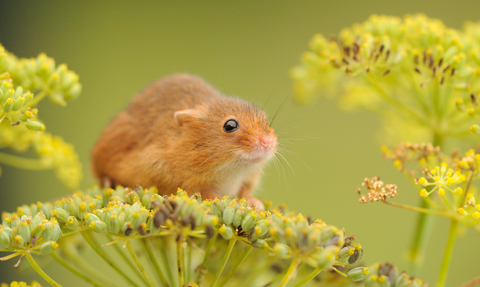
pixel 149 145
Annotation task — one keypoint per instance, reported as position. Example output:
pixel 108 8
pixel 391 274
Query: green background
pixel 244 48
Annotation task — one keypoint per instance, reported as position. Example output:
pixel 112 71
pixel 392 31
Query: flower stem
pixel 139 264
pixel 148 247
pixel 180 264
pixel 452 236
pixel 73 270
pixel 104 256
pixel 423 230
pixel 210 243
pixel 420 210
pixel 21 162
pixel 231 244
pixel 239 262
pixel 40 271
pixel 129 263
pixel 310 276
pixel 163 253
pixel 71 253
pixel 395 103
pixel 290 272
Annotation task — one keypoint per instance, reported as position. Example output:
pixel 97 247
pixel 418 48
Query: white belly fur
pixel 232 179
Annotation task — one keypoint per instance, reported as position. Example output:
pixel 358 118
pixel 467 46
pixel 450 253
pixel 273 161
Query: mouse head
pixel 229 130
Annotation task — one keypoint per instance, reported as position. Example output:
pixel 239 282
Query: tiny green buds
pixel 5 236
pixel 249 220
pixel 226 232
pixel 358 273
pixel 35 126
pixel 48 247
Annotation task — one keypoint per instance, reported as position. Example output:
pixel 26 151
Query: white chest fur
pixel 233 177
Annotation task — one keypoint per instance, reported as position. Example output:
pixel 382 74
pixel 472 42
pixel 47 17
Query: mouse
pixel 180 132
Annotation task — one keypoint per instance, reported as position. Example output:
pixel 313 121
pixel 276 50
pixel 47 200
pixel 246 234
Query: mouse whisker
pixel 283 157
pixel 284 148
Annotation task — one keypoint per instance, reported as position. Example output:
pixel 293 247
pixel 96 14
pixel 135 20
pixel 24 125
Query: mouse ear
pixel 184 115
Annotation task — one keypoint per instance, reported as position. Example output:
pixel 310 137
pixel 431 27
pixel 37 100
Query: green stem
pixel 393 101
pixel 310 276
pixel 40 271
pixel 290 272
pixel 239 262
pixel 452 236
pixel 163 253
pixel 231 244
pixel 180 265
pixel 104 256
pixel 158 269
pixel 202 267
pixel 188 262
pixel 423 228
pixel 21 162
pixel 420 210
pixel 139 264
pixel 73 270
pixel 129 263
pixel 71 253
pixel 423 231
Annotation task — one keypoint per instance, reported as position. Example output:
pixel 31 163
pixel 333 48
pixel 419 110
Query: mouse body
pixel 180 132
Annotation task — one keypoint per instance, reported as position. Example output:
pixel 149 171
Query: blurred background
pixel 244 48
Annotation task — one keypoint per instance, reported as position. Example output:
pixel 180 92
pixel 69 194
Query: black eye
pixel 230 126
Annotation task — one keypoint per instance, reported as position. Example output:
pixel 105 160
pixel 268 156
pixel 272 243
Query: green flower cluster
pixel 23 83
pixel 447 182
pixel 422 76
pixel 386 275
pixel 188 223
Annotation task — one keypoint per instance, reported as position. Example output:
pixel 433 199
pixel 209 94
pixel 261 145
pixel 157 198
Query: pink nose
pixel 266 141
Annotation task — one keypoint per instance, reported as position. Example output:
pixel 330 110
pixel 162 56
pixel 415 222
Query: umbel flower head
pixel 422 76
pixel 23 84
pixel 196 229
pixel 447 182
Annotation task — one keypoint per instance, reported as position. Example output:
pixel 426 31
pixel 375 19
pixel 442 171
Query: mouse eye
pixel 230 126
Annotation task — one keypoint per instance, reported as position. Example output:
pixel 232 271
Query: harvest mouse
pixel 182 132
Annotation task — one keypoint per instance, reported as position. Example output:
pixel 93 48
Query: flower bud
pixel 226 232
pixel 345 253
pixel 326 258
pixel 475 129
pixel 238 218
pixel 24 230
pixel 5 236
pixel 249 221
pixel 99 226
pixel 358 273
pixel 259 243
pixel 8 105
pixel 52 231
pixel 73 92
pixel 282 250
pixel 60 214
pixel 357 255
pixel 18 103
pixel 35 126
pixel 72 223
pixel 228 214
pixel 48 247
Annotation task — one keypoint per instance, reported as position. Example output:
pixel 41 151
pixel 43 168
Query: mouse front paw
pixel 255 202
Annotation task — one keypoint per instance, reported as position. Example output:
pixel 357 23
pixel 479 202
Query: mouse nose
pixel 266 141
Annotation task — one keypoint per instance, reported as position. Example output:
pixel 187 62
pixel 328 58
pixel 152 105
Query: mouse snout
pixel 266 141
